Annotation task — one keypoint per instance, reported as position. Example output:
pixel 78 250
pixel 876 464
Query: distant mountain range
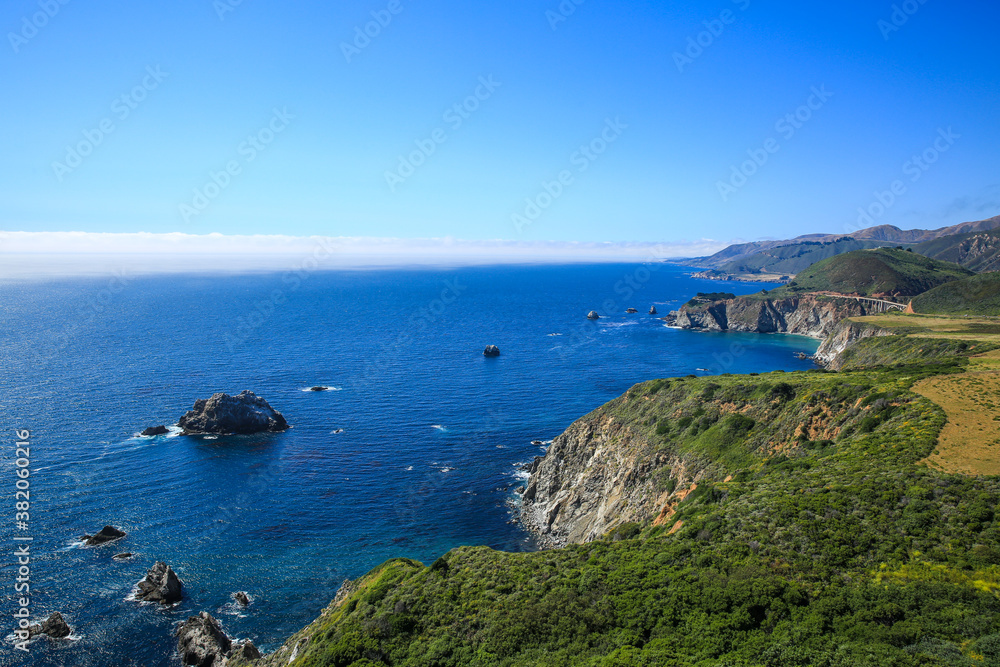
pixel 971 244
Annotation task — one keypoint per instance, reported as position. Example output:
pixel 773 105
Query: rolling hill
pixel 975 295
pixel 978 251
pixel 767 254
pixel 790 259
pixel 882 272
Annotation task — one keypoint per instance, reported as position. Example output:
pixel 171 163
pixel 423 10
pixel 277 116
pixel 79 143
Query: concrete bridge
pixel 878 305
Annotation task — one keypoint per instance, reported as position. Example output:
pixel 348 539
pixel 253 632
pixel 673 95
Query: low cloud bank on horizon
pixel 47 254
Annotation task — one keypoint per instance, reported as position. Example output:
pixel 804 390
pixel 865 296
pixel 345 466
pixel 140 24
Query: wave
pixel 439 427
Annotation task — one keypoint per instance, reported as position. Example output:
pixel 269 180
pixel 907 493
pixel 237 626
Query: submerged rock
pixel 201 641
pixel 54 626
pixel 123 556
pixel 155 430
pixel 106 534
pixel 631 310
pixel 318 388
pixel 592 315
pixel 160 585
pixel 242 414
pixel 491 351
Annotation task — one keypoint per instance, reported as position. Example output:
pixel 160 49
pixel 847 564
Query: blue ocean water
pixel 427 459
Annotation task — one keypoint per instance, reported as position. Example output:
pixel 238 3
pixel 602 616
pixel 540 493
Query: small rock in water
pixel 337 430
pixel 536 442
pixel 242 598
pixel 318 388
pixel 592 315
pixel 155 430
pixel 491 351
pixel 160 585
pixel 652 310
pixel 54 626
pixel 123 556
pixel 107 534
pixel 631 310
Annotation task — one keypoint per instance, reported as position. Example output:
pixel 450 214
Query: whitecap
pixel 446 469
pixel 438 427
pixel 409 467
pixel 555 334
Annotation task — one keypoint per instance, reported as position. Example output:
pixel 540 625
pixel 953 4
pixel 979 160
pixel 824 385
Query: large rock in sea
pixel 652 310
pixel 202 642
pixel 54 626
pixel 106 534
pixel 155 430
pixel 491 351
pixel 223 414
pixel 592 315
pixel 160 585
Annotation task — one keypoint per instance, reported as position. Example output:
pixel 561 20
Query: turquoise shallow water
pixel 432 430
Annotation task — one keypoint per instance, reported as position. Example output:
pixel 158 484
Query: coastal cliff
pixel 809 315
pixel 844 335
pixel 636 458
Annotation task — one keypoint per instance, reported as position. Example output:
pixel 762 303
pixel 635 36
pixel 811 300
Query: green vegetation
pixel 796 257
pixel 708 297
pixel 975 295
pixel 815 537
pixel 884 271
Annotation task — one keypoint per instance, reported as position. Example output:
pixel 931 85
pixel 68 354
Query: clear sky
pixel 326 130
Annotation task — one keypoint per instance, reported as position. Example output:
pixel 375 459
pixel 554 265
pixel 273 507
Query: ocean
pixel 414 450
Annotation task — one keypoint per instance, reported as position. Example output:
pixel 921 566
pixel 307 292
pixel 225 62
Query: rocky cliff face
pixel 598 475
pixel 842 337
pixel 804 315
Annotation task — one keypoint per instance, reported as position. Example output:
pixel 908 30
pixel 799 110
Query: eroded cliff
pixel 810 315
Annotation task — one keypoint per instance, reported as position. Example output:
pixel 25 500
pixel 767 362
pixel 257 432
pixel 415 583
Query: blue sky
pixel 664 131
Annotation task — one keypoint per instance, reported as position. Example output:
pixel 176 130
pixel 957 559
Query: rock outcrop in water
pixel 223 414
pixel 593 315
pixel 54 626
pixel 491 351
pixel 160 585
pixel 155 430
pixel 652 310
pixel 105 535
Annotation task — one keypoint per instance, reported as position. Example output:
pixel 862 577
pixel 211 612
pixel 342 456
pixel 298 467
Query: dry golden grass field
pixel 970 442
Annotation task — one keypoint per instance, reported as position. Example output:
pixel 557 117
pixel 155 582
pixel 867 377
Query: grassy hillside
pixel 818 538
pixel 975 295
pixel 978 251
pixel 796 257
pixel 882 272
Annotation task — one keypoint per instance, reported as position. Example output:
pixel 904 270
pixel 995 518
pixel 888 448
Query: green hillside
pixel 978 251
pixel 975 295
pixel 796 257
pixel 887 272
pixel 815 538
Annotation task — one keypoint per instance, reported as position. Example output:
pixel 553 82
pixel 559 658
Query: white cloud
pixel 32 254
